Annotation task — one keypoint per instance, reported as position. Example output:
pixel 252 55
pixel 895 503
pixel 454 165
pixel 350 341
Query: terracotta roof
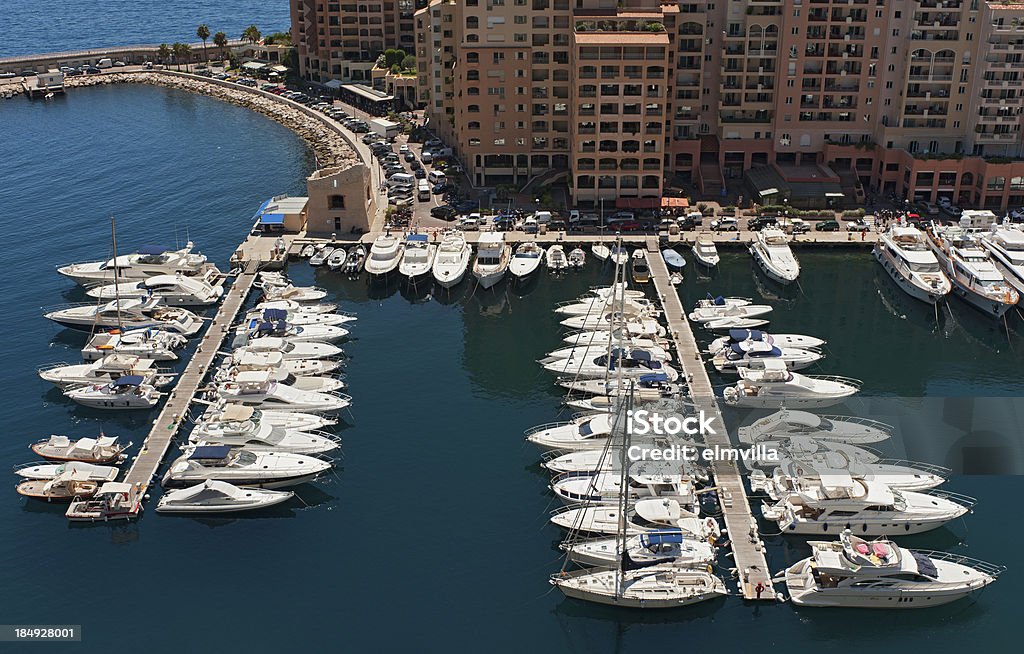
pixel 621 38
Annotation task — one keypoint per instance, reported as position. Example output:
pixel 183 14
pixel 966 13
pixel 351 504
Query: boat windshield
pixel 931 267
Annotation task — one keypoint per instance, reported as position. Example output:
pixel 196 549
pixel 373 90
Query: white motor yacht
pixel 555 258
pixel 630 364
pixel 791 424
pixel 301 294
pixel 106 370
pixel 385 255
pixel 606 487
pixel 611 319
pixel 856 573
pixel 772 254
pixel 261 436
pixel 704 314
pixel 280 374
pixel 645 388
pixel 155 344
pixel 598 305
pixel 128 392
pixel 104 449
pixel 645 516
pixel 223 412
pixel 649 548
pixel 418 257
pixel 175 290
pixel 904 254
pixel 291 349
pixel 147 262
pixel 753 354
pixel 660 586
pixel 779 340
pixel 705 252
pixel 321 255
pixel 45 471
pixel 452 259
pixel 837 501
pixel 899 475
pixel 584 433
pixel 133 313
pixel 773 386
pixel 257 328
pixel 596 349
pixel 242 468
pixel 636 329
pixel 526 260
pixel 616 290
pixel 297 308
pixel 618 255
pixel 301 318
pixel 213 496
pixel 972 274
pixel 114 501
pixel 260 391
pixel 577 258
pixel 600 251
pixel 782 448
pixel 246 359
pixel 492 259
pixel 1006 245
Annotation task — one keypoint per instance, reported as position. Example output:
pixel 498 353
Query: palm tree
pixel 252 34
pixel 164 52
pixel 176 50
pixel 203 32
pixel 186 54
pixel 220 39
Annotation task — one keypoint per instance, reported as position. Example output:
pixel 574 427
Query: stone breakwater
pixel 330 146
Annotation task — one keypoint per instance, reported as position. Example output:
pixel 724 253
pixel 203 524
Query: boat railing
pixel 51 366
pixel 864 422
pixel 67 305
pixel 849 381
pixel 547 425
pixel 991 569
pixel 958 498
pixel 35 464
pixel 929 468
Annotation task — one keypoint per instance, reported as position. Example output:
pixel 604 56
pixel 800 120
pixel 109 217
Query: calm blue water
pixel 50 26
pixel 433 534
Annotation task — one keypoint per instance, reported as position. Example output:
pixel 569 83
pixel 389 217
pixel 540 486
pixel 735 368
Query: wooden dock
pixel 167 425
pixel 747 547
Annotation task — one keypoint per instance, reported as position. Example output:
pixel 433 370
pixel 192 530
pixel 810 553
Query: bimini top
pixel 129 380
pixel 270 315
pixel 661 537
pixel 210 452
pixel 152 250
pixel 636 355
pixel 417 238
pixel 653 378
pixel 746 335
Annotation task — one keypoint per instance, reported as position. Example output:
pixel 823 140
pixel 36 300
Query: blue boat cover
pixel 737 348
pixel 420 238
pixel 274 314
pixel 640 355
pixel 129 380
pixel 719 301
pixel 660 537
pixel 210 452
pixel 152 250
pixel 739 334
pixel 653 378
pixel 925 565
pixel 272 219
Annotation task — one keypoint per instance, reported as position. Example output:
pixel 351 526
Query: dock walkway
pixel 168 423
pixel 748 550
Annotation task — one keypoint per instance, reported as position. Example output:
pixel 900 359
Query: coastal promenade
pixel 747 547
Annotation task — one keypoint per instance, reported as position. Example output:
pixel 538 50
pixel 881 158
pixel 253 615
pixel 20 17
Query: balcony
pixel 761 117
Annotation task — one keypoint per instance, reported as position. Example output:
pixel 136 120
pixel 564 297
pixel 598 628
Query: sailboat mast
pixel 117 271
pixel 622 413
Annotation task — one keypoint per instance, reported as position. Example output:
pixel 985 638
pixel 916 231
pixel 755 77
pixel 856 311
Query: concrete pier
pixel 747 548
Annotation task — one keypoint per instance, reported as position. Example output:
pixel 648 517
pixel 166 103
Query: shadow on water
pixel 382 289
pixel 417 293
pixel 522 288
pixel 457 294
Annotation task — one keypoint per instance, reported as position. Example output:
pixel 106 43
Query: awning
pixel 768 191
pixel 253 65
pixel 210 452
pixel 333 84
pixel 129 380
pixel 675 202
pixel 272 219
pixel 279 68
pixel 835 195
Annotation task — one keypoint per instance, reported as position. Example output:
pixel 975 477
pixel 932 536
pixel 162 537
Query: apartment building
pixel 341 39
pixel 918 98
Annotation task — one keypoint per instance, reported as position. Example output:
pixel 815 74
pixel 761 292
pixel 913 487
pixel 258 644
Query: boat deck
pixel 747 547
pixel 250 257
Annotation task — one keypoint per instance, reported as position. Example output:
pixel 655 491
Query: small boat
pixel 729 324
pixel 128 392
pixel 154 344
pixel 526 260
pixel 705 252
pixel 259 390
pixel 417 257
pixel 492 259
pixel 257 328
pixel 113 501
pixel 308 251
pixel 297 308
pixel 213 496
pixel 606 488
pixel 385 255
pixel 337 258
pixel 224 412
pixel 242 468
pixel 712 302
pixel 104 449
pixel 65 487
pixel 577 258
pixel 639 267
pixel 50 470
pixel 781 340
pixel 355 260
pixel 789 423
pixel 754 354
pixel 107 369
pixel 321 256
pixel 618 255
pixel 630 364
pixel 555 258
pixel 675 279
pixel 301 318
pixel 600 251
pixel 673 259
pixel 147 262
pixel 705 314
pixel 243 358
pixel 273 293
pixel 452 259
pixel 585 433
pixel 773 386
pixel 773 256
pixel 175 290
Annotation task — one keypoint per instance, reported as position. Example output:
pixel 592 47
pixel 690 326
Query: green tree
pixel 163 53
pixel 220 39
pixel 203 32
pixel 186 54
pixel 279 38
pixel 176 51
pixel 393 58
pixel 252 34
pixel 409 63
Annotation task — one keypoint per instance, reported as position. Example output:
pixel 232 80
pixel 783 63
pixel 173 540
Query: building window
pixel 337 224
pixel 337 201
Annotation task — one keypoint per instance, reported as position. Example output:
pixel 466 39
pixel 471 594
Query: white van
pixel 423 190
pixel 437 177
pixel 401 179
pixel 105 63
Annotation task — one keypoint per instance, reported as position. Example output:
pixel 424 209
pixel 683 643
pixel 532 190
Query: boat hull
pixel 908 287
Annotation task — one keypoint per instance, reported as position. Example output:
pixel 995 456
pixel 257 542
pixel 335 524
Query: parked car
pixel 466 205
pixel 427 157
pixel 409 157
pixel 9 75
pixel 858 225
pixel 439 188
pixel 760 222
pixel 432 143
pixel 443 212
pixel 726 224
pixel 419 173
pixel 827 226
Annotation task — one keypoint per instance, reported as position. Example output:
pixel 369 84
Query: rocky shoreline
pixel 330 147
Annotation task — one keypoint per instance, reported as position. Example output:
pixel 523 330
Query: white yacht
pixel 257 328
pixel 618 255
pixel 611 319
pixel 492 259
pixel 791 424
pixel 778 449
pixel 105 370
pixel 753 354
pixel 705 314
pixel 290 349
pixel 175 290
pixel 301 318
pixel 147 262
pixel 904 254
pixel 645 388
pixel 754 335
pixel 259 391
pixel 242 468
pixel 649 548
pixel 606 487
pixel 246 359
pixel 527 259
pixel 656 350
pixel 128 392
pixel 855 573
pixel 223 412
pixel 321 255
pixel 1006 245
pixel 155 344
pixel 555 258
pixel 584 433
pixel 280 374
pixel 600 305
pixel 772 254
pixel 133 313
pixel 452 259
pixel 705 252
pixel 773 386
pixel 631 364
pixel 577 258
pixel 645 516
pixel 213 496
pixel 337 258
pixel 104 449
pixel 417 257
pixel 297 308
pixel 648 330
pixel 301 294
pixel 385 255
pixel 89 471
pixel 973 276
pixel 901 475
pixel 837 501
pixel 660 586
pixel 600 251
pixel 261 436
pixel 63 488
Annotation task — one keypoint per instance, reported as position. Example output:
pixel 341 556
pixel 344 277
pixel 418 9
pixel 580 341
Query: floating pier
pixel 745 539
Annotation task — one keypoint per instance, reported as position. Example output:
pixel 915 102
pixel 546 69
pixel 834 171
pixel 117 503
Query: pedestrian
pixel 759 588
pixel 862 236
